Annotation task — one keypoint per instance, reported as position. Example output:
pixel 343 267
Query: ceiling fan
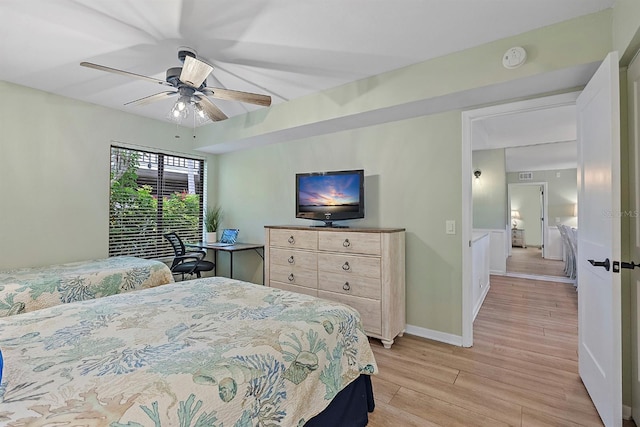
pixel 190 83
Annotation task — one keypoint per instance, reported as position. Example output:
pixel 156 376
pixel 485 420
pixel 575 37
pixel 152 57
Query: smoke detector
pixel 514 57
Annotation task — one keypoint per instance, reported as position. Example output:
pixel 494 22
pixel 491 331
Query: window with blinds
pixel 153 194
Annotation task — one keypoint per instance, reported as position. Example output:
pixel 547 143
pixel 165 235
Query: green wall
pixel 490 191
pixel 626 29
pixel 410 168
pixel 54 179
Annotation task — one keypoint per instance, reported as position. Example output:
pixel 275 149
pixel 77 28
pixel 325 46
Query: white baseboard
pixel 557 279
pixel 434 335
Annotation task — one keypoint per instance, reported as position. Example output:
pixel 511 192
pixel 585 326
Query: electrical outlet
pixel 450 226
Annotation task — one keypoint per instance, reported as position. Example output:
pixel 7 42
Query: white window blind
pixel 153 194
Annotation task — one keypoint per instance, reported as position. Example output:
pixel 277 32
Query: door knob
pixel 606 263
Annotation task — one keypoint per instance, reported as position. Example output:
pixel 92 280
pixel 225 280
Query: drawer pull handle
pixel 291 278
pixel 290 260
pixel 291 240
pixel 346 266
pixel 346 243
pixel 346 286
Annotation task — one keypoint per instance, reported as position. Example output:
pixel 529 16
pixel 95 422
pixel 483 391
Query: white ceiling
pixel 543 139
pixel 542 157
pixel 543 126
pixel 285 49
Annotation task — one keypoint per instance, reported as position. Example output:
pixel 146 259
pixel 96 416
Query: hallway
pixel 529 261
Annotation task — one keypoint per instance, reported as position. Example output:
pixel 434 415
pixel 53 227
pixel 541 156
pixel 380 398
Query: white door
pixel 599 323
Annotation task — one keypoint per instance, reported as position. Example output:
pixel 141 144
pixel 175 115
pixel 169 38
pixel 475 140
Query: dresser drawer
pixel 369 310
pixel 351 265
pixel 348 284
pixel 354 242
pixel 294 258
pixel 301 239
pixel 294 275
pixel 293 288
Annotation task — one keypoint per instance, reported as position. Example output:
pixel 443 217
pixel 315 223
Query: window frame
pixel 152 244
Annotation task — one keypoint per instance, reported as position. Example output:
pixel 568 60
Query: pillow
pixel 229 235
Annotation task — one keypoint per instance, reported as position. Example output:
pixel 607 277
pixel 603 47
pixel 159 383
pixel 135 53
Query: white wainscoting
pixel 499 245
pixel 480 253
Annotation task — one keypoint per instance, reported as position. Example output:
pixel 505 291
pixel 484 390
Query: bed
pixel 206 352
pixel 27 289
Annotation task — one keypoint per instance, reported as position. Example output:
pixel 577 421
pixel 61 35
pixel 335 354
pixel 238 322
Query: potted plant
pixel 212 218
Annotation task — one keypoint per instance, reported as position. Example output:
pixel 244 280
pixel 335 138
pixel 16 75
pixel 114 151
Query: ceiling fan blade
pixel 124 73
pixel 214 113
pixel 194 71
pixel 152 98
pixel 235 95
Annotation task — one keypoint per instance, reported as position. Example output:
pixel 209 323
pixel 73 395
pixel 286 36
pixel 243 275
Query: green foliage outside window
pixel 135 228
pixel 181 211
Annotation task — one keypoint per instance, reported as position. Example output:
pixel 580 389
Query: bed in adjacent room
pixel 206 352
pixel 27 289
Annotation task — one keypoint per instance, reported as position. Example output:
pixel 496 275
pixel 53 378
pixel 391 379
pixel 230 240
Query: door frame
pixel 544 208
pixel 468 119
pixel 633 109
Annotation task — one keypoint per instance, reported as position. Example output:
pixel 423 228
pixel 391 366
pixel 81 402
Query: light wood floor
pixel 521 371
pixel 529 261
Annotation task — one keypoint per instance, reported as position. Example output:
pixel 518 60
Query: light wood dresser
pixel 359 267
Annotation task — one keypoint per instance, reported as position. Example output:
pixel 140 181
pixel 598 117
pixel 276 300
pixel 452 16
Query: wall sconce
pixel 515 216
pixel 477 174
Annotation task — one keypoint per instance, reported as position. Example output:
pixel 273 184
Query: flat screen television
pixel 330 196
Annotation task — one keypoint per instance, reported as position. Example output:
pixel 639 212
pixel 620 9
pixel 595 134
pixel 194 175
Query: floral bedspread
pixel 27 289
pixel 206 352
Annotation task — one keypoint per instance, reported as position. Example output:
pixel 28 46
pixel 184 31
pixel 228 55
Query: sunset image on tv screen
pixel 329 193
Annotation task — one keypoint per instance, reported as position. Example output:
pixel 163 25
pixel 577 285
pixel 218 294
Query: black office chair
pixel 192 262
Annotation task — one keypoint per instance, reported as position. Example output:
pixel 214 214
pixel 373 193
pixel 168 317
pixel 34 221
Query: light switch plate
pixel 450 227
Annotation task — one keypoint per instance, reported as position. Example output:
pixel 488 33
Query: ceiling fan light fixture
pixel 199 111
pixel 181 110
pixel 178 114
pixel 181 103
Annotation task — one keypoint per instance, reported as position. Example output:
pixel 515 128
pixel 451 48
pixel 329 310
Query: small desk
pixel 231 249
